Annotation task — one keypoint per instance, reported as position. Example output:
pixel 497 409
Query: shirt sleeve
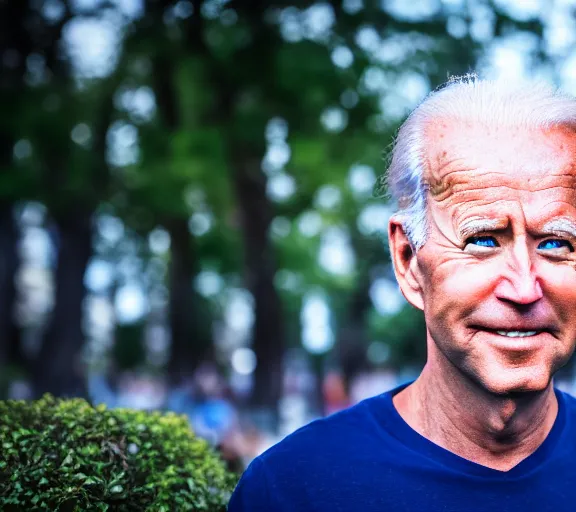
pixel 252 492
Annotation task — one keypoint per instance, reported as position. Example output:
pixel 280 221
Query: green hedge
pixel 66 455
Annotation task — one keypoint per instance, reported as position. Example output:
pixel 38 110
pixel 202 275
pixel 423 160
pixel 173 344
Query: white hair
pixel 469 99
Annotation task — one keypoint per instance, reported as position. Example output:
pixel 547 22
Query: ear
pixel 405 263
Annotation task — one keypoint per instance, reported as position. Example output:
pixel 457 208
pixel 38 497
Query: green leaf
pixel 97 470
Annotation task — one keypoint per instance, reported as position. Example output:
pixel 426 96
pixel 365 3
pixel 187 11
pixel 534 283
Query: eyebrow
pixel 475 225
pixel 561 226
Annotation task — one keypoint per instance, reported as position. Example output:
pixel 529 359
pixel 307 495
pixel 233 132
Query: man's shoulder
pixel 351 427
pixel 315 461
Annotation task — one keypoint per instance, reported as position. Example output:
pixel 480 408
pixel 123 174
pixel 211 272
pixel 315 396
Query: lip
pixel 522 328
pixel 519 344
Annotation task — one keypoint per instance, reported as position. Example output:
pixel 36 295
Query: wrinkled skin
pixel 519 273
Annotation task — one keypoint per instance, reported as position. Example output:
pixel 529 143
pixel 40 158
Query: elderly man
pixel 484 174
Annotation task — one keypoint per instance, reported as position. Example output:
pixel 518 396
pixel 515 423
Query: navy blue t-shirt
pixel 367 459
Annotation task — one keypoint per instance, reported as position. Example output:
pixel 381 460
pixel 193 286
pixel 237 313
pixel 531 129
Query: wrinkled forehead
pixel 462 155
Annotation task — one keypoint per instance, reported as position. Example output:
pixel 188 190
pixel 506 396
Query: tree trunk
pixel 244 156
pixel 191 330
pixel 14 37
pixel 352 334
pixel 260 266
pixel 352 341
pixel 10 348
pixel 58 367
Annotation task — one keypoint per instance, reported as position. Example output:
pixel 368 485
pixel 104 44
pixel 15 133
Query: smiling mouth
pixel 514 333
pixel 517 334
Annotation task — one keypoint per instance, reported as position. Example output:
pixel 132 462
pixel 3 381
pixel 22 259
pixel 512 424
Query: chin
pixel 516 380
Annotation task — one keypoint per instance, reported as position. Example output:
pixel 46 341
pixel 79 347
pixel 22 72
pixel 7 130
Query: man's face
pixel 497 275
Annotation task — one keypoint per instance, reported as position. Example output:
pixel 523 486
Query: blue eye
pixel 482 241
pixel 555 244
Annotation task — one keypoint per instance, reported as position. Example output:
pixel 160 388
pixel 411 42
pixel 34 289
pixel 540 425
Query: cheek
pixel 559 285
pixel 457 289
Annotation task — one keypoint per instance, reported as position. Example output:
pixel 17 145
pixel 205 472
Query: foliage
pixel 67 455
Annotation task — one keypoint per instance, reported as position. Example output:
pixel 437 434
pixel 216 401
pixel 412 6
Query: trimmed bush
pixel 65 455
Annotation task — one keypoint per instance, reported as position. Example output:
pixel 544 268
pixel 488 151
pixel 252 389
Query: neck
pixel 459 415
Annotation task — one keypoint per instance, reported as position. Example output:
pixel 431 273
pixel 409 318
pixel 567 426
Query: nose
pixel 519 283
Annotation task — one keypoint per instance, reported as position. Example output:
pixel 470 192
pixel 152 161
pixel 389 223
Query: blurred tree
pixel 15 45
pixel 69 176
pixel 203 144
